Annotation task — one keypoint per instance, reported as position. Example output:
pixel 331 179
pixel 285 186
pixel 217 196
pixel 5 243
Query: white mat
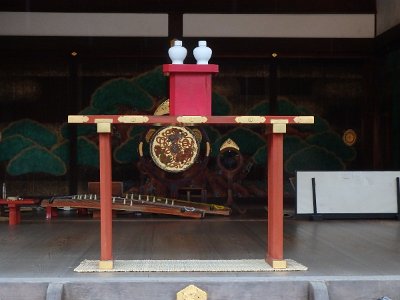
pixel 242 265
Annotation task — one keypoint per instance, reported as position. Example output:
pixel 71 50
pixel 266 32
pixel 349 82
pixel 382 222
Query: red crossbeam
pixel 184 120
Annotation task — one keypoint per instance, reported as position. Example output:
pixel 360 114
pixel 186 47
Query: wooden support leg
pixel 51 212
pixel 106 260
pixel 18 213
pixel 275 201
pixel 12 214
pixel 83 212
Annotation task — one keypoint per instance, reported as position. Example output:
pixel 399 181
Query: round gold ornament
pixel 349 137
pixel 174 149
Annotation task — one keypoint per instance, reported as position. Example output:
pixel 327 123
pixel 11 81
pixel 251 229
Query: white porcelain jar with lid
pixel 202 53
pixel 177 53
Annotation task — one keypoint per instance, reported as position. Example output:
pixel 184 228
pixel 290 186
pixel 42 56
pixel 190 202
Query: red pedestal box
pixel 190 89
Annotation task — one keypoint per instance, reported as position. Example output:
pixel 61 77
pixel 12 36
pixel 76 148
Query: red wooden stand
pixel 277 124
pixel 190 89
pixel 14 212
pixel 190 103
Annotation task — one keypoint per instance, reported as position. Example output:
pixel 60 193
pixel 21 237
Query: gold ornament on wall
pixel 229 144
pixel 162 109
pixel 349 137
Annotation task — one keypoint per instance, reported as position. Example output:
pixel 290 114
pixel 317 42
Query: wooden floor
pixel 353 259
pixel 36 248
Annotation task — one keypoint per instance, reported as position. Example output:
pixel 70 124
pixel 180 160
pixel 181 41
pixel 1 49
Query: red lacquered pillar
pixel 106 258
pixel 18 213
pixel 12 214
pixel 275 197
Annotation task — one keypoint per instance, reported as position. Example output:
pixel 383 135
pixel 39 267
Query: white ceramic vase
pixel 202 53
pixel 177 53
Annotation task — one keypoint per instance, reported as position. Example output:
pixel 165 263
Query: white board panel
pixel 280 25
pixel 83 24
pixel 347 192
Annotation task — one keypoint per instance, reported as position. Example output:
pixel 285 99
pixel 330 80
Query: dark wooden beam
pixel 289 47
pixel 205 6
pixel 388 40
pixel 175 25
pixel 155 49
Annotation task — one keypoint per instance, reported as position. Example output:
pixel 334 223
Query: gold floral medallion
pixel 174 149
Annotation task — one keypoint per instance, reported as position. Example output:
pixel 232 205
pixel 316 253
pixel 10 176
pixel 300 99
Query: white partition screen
pixel 347 192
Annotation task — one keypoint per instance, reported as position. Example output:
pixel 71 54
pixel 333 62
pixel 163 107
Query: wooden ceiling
pixel 149 48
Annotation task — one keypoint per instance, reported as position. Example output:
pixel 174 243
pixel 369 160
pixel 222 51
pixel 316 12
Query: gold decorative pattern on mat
pixel 250 119
pixel 133 119
pixel 235 265
pixel 174 149
pixel 191 292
